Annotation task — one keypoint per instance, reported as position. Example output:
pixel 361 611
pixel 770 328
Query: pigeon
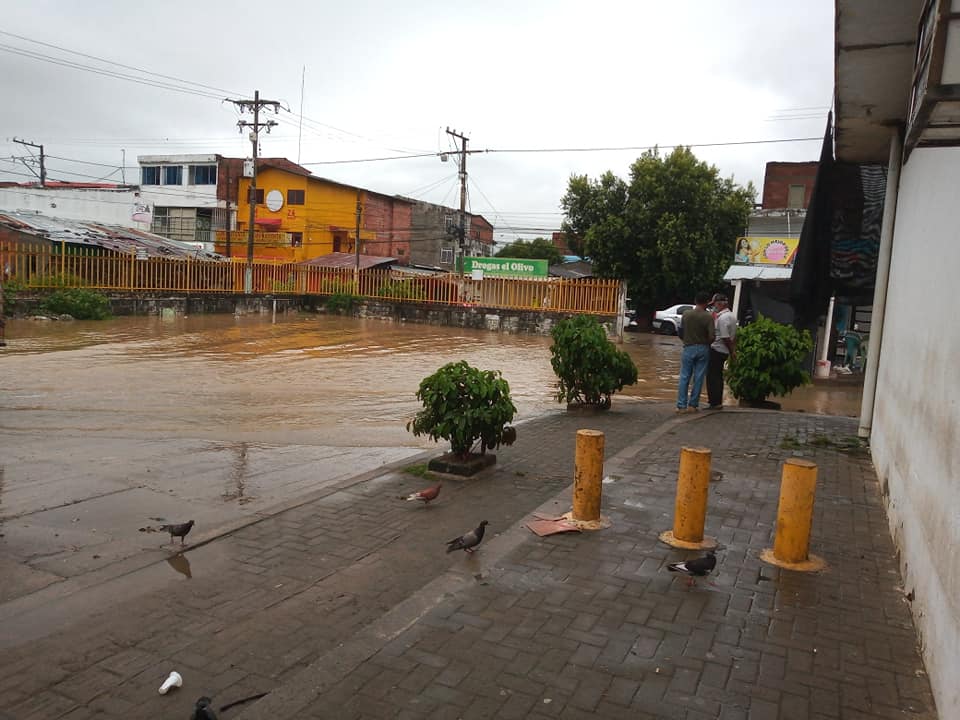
pixel 426 495
pixel 698 567
pixel 179 531
pixel 203 709
pixel 469 540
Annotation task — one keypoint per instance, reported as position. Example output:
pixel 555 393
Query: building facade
pixel 184 195
pixel 894 84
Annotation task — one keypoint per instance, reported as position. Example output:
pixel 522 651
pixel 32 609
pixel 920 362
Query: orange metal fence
pixel 46 265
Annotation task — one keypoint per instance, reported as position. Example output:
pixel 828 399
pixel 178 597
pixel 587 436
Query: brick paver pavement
pixel 347 607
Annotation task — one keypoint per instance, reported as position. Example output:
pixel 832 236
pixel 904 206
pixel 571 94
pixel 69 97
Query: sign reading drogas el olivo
pixel 505 267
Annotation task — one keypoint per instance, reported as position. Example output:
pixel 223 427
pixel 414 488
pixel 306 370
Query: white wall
pixel 916 424
pixel 113 207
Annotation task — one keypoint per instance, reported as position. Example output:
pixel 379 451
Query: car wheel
pixel 668 328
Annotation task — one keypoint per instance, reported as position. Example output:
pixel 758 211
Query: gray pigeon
pixel 698 567
pixel 469 540
pixel 179 531
pixel 203 710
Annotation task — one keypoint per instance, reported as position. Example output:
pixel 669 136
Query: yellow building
pixel 298 216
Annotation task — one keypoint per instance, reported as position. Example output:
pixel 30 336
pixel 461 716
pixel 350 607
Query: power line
pixel 118 64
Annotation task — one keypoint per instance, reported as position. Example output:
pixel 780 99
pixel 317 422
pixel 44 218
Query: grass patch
pixel 420 471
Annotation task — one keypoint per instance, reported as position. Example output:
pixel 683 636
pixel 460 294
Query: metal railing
pixel 47 265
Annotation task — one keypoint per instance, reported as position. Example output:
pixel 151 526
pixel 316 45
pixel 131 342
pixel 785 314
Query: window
pixel 173 175
pixel 150 175
pixel 259 200
pixel 203 174
pixel 446 256
pixel 296 239
pixel 796 196
pixel 295 197
pixel 161 218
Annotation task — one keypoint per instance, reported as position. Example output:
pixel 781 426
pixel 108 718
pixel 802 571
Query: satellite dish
pixel 274 200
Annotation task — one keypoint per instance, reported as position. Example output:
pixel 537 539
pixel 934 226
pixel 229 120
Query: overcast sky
pixel 387 78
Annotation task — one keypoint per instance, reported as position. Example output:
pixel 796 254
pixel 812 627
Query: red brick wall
pixel 390 219
pixel 780 176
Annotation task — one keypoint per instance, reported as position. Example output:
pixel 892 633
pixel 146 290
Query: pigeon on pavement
pixel 698 567
pixel 179 531
pixel 469 540
pixel 203 710
pixel 426 495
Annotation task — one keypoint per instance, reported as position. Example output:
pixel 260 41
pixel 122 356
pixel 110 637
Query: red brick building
pixel 788 185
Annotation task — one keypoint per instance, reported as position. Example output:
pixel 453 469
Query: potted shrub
pixel 589 367
pixel 769 361
pixel 471 409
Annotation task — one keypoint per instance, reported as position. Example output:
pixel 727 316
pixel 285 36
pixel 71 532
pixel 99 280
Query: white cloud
pixel 383 77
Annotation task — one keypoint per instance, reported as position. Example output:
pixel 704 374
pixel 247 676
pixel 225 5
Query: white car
pixel 667 321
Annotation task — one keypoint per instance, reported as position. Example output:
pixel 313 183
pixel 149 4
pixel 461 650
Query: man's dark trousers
pixel 715 377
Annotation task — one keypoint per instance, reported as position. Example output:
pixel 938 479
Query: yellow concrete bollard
pixel 791 544
pixel 588 476
pixel 690 509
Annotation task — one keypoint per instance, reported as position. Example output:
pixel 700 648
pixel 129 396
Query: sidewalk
pixel 347 606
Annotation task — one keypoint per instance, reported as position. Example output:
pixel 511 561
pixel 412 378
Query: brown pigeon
pixel 426 495
pixel 179 531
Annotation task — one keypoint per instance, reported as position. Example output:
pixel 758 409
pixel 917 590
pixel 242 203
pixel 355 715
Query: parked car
pixel 667 321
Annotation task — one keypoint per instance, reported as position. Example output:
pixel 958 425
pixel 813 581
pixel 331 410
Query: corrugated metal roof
pixel 348 260
pixel 758 272
pixel 572 270
pixel 110 237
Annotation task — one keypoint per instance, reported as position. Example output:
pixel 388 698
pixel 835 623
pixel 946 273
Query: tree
pixel 769 360
pixel 537 249
pixel 588 366
pixel 669 233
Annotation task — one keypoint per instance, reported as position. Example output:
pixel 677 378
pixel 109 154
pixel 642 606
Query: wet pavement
pixel 304 563
pixel 346 606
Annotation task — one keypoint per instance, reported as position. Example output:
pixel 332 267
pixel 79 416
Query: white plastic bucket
pixel 822 370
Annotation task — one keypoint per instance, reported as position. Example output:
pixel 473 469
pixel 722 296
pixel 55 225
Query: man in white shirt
pixel 725 346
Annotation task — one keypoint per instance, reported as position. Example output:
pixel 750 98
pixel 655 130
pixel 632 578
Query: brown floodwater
pixel 110 429
pixel 319 379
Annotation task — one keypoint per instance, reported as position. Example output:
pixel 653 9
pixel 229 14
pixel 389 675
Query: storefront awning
pixel 758 272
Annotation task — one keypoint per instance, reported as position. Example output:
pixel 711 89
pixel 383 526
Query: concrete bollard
pixel 690 509
pixel 588 476
pixel 791 544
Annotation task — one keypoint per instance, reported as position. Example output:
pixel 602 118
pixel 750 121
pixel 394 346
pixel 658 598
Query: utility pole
pixel 254 106
pixel 43 169
pixel 463 195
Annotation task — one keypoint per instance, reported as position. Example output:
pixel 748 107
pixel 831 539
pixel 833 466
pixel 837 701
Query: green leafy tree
pixel 769 360
pixel 669 232
pixel 588 366
pixel 465 406
pixel 537 249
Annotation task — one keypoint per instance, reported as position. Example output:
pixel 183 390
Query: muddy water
pixel 322 380
pixel 109 429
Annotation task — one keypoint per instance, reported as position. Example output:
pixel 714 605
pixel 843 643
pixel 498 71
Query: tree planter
pixel 760 404
pixel 452 464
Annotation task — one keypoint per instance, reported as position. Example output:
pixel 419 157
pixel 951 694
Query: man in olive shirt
pixel 698 334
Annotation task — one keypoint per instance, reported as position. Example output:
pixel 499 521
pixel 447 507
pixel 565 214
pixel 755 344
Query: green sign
pixel 505 267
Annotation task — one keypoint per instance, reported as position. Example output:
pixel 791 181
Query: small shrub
pixel 401 290
pixel 78 302
pixel 465 406
pixel 341 302
pixel 769 360
pixel 588 366
pixel 11 291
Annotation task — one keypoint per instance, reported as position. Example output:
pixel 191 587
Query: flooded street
pixel 109 429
